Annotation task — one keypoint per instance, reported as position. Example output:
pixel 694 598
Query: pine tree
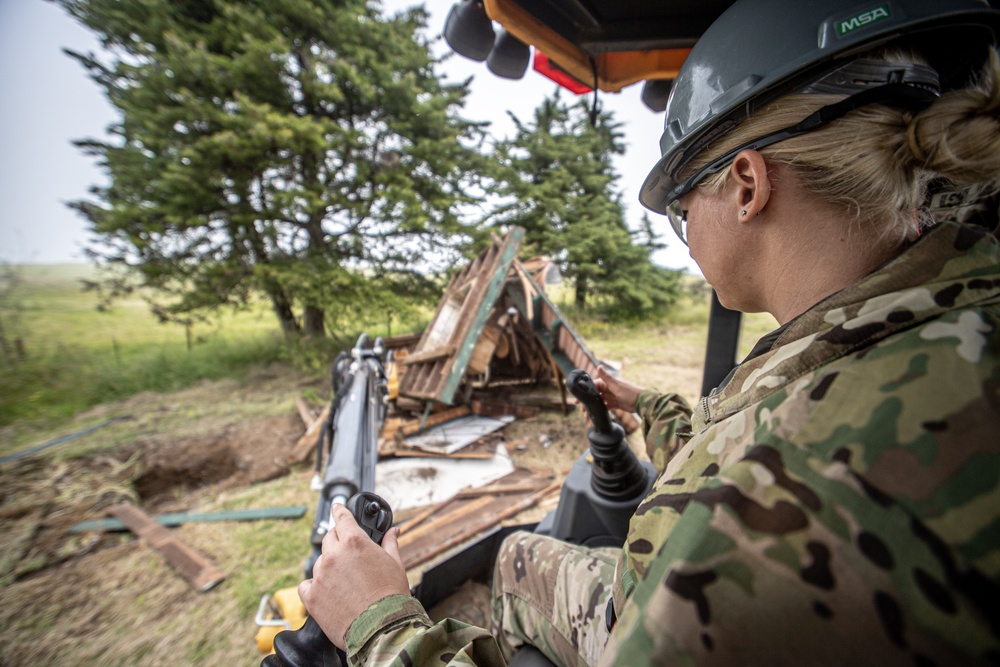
pixel 305 148
pixel 560 186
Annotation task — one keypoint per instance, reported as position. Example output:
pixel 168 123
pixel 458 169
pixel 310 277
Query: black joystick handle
pixel 617 474
pixel 585 391
pixel 308 646
pixel 305 646
pixel 372 513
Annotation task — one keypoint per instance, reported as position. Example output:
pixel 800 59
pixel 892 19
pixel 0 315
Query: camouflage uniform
pixel 837 501
pixel 552 595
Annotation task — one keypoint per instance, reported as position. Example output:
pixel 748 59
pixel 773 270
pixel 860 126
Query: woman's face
pixel 716 245
pixel 705 229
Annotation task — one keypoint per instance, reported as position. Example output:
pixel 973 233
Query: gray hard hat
pixel 759 50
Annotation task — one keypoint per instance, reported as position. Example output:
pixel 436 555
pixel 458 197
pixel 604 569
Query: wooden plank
pixel 406 404
pixel 306 412
pixel 190 564
pixel 306 444
pixel 439 508
pixel 441 524
pixel 453 516
pixel 487 296
pixel 170 520
pixel 401 341
pixel 435 419
pixel 419 381
pixel 497 490
pixel 484 448
pixel 538 399
pixel 502 408
pixel 429 355
pixel 464 453
pixel 567 339
pixel 484 521
pixel 418 519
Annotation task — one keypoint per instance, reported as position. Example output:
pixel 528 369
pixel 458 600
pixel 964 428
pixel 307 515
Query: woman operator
pixel 837 499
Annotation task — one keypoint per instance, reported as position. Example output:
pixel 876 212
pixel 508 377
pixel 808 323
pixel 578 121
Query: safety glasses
pixel 895 94
pixel 678 219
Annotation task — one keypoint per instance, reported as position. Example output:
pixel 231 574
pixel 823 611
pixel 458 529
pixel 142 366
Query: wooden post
pixel 190 564
pixel 307 442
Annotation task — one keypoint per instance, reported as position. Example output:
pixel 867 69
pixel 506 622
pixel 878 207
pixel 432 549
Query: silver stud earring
pixel 744 213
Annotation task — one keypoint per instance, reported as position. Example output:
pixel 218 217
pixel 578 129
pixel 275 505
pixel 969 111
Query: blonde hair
pixel 875 163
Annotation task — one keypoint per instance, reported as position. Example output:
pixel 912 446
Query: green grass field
pixel 69 356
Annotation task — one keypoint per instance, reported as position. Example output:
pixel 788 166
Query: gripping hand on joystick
pixel 309 645
pixel 584 390
pixel 372 514
pixel 616 474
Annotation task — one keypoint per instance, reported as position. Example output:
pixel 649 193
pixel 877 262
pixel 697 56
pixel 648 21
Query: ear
pixel 752 186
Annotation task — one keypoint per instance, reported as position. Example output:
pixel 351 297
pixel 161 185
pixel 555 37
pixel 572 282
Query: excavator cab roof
pixel 618 43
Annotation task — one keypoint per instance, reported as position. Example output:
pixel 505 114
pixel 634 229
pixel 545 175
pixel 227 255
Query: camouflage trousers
pixel 553 596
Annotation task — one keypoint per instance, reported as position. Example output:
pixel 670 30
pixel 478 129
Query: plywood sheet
pixel 415 482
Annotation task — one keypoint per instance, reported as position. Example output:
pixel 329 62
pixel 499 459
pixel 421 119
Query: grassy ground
pixel 205 434
pixel 70 357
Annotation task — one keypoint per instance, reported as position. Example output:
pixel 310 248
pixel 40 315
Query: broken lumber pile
pixel 456 432
pixel 469 513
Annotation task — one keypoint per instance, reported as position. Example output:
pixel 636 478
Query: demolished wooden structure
pixel 497 346
pixel 494 329
pixel 436 529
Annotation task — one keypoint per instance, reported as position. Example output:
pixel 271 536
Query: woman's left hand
pixel 351 574
pixel 616 392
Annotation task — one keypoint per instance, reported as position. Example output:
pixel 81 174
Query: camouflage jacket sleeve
pixel 397 631
pixel 666 423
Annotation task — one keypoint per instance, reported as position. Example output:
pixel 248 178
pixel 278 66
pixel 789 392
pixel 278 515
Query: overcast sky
pixel 46 101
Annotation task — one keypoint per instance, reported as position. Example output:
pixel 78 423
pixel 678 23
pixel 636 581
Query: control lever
pixel 308 646
pixel 616 474
pixel 585 391
pixel 372 513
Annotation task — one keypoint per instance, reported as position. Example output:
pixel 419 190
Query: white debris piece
pixel 451 436
pixel 414 482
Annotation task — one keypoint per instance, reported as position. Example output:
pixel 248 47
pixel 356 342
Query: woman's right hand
pixel 616 392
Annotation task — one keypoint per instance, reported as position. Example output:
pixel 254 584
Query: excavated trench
pixel 238 454
pixel 41 499
pixel 164 478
